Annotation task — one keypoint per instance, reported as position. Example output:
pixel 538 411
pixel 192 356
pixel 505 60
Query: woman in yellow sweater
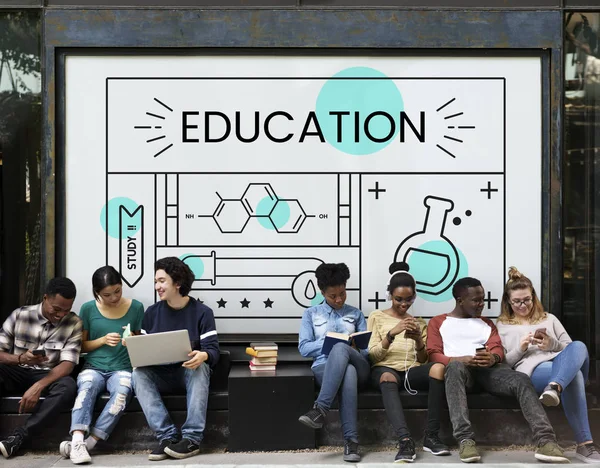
pixel 399 358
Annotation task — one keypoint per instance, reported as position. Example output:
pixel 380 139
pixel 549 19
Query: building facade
pixel 52 53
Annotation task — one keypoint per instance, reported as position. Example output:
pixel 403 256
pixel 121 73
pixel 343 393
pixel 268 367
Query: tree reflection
pixel 20 142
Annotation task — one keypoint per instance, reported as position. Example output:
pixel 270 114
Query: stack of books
pixel 264 356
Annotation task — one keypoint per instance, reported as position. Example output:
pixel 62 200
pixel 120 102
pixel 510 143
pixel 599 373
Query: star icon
pixel 222 303
pixel 268 303
pixel 245 303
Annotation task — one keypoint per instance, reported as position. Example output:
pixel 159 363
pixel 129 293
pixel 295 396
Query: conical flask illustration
pixel 433 259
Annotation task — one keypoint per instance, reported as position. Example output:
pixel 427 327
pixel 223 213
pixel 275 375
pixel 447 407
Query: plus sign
pixel 489 190
pixel 489 300
pixel 376 300
pixel 377 190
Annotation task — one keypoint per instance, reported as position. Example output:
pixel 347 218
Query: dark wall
pixel 473 4
pixel 497 4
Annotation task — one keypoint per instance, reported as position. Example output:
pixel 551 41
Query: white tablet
pixel 159 348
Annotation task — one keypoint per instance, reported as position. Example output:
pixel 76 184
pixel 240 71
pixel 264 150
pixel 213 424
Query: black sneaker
pixel 159 453
pixel 11 444
pixel 184 449
pixel 407 451
pixel 314 418
pixel 351 451
pixel 433 444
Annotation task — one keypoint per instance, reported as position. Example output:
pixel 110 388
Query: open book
pixel 360 339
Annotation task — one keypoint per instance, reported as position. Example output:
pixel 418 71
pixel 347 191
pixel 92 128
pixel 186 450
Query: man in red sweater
pixel 470 348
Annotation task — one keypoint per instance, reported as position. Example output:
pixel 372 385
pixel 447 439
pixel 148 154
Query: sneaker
pixel 550 452
pixel 351 451
pixel 158 453
pixel 184 449
pixel 588 453
pixel 551 395
pixel 407 451
pixel 11 444
pixel 314 418
pixel 65 448
pixel 433 444
pixel 79 454
pixel 468 451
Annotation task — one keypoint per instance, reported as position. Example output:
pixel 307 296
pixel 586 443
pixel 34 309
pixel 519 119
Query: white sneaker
pixel 79 453
pixel 550 396
pixel 65 448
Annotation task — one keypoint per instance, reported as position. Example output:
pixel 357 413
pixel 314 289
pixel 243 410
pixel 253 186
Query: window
pixel 20 144
pixel 581 214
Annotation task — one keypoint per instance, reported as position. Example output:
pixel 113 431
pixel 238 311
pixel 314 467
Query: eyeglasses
pixel 519 303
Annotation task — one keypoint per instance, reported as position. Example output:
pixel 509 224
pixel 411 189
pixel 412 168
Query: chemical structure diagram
pixel 259 200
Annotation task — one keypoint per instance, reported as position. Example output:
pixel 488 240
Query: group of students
pixel 527 355
pixel 40 347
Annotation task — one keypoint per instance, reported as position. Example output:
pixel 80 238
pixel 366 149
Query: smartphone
pixel 539 333
pixel 481 348
pixel 39 352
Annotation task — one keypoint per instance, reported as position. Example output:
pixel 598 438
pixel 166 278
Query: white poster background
pixel 348 220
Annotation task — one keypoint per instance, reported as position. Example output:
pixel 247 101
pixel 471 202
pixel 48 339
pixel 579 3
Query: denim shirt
pixel 320 319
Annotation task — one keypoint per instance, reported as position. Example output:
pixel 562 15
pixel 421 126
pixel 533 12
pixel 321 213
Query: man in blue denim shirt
pixel 344 369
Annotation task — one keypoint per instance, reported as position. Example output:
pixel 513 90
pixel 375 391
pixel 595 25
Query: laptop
pixel 159 348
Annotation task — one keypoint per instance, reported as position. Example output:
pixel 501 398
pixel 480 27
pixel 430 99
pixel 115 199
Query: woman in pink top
pixel 538 345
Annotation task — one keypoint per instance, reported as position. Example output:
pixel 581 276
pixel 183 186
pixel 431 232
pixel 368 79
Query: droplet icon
pixel 310 291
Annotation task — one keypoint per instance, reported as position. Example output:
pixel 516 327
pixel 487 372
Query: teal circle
pixel 195 263
pixel 429 267
pixel 364 96
pixel 318 299
pixel 114 205
pixel 280 214
pixel 265 206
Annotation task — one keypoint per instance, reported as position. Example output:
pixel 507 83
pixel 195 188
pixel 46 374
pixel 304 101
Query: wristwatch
pixel 390 338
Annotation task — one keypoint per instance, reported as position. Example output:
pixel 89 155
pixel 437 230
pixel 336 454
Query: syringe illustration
pixel 294 274
pixel 432 256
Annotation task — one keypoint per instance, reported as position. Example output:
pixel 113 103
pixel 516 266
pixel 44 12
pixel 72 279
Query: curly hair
pixel 61 285
pixel 332 274
pixel 518 281
pixel 180 273
pixel 463 284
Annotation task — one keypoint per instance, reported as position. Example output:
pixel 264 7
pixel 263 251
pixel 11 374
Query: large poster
pixel 255 170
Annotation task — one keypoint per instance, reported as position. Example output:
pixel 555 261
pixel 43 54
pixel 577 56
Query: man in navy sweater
pixel 177 311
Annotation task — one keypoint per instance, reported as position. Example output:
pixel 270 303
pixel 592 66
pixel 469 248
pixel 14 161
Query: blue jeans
pixel 343 372
pixel 90 384
pixel 569 369
pixel 149 382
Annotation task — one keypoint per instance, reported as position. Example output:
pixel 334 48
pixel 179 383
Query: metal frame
pixel 399 32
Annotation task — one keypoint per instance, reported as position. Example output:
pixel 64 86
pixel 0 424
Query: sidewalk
pixel 330 459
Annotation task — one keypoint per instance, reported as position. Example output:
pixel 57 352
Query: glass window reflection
pixel 20 152
pixel 581 213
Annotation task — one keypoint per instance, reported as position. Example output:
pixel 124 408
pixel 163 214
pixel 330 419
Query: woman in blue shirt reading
pixel 107 366
pixel 345 368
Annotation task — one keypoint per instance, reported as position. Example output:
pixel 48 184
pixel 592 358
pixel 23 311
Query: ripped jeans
pixel 90 384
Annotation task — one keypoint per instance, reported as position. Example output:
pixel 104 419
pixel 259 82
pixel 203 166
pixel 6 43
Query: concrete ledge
pixel 132 433
pixel 493 427
pixel 500 428
pixel 372 458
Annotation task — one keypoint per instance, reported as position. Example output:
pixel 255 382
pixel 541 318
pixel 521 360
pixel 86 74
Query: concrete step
pixel 503 427
pixel 331 458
